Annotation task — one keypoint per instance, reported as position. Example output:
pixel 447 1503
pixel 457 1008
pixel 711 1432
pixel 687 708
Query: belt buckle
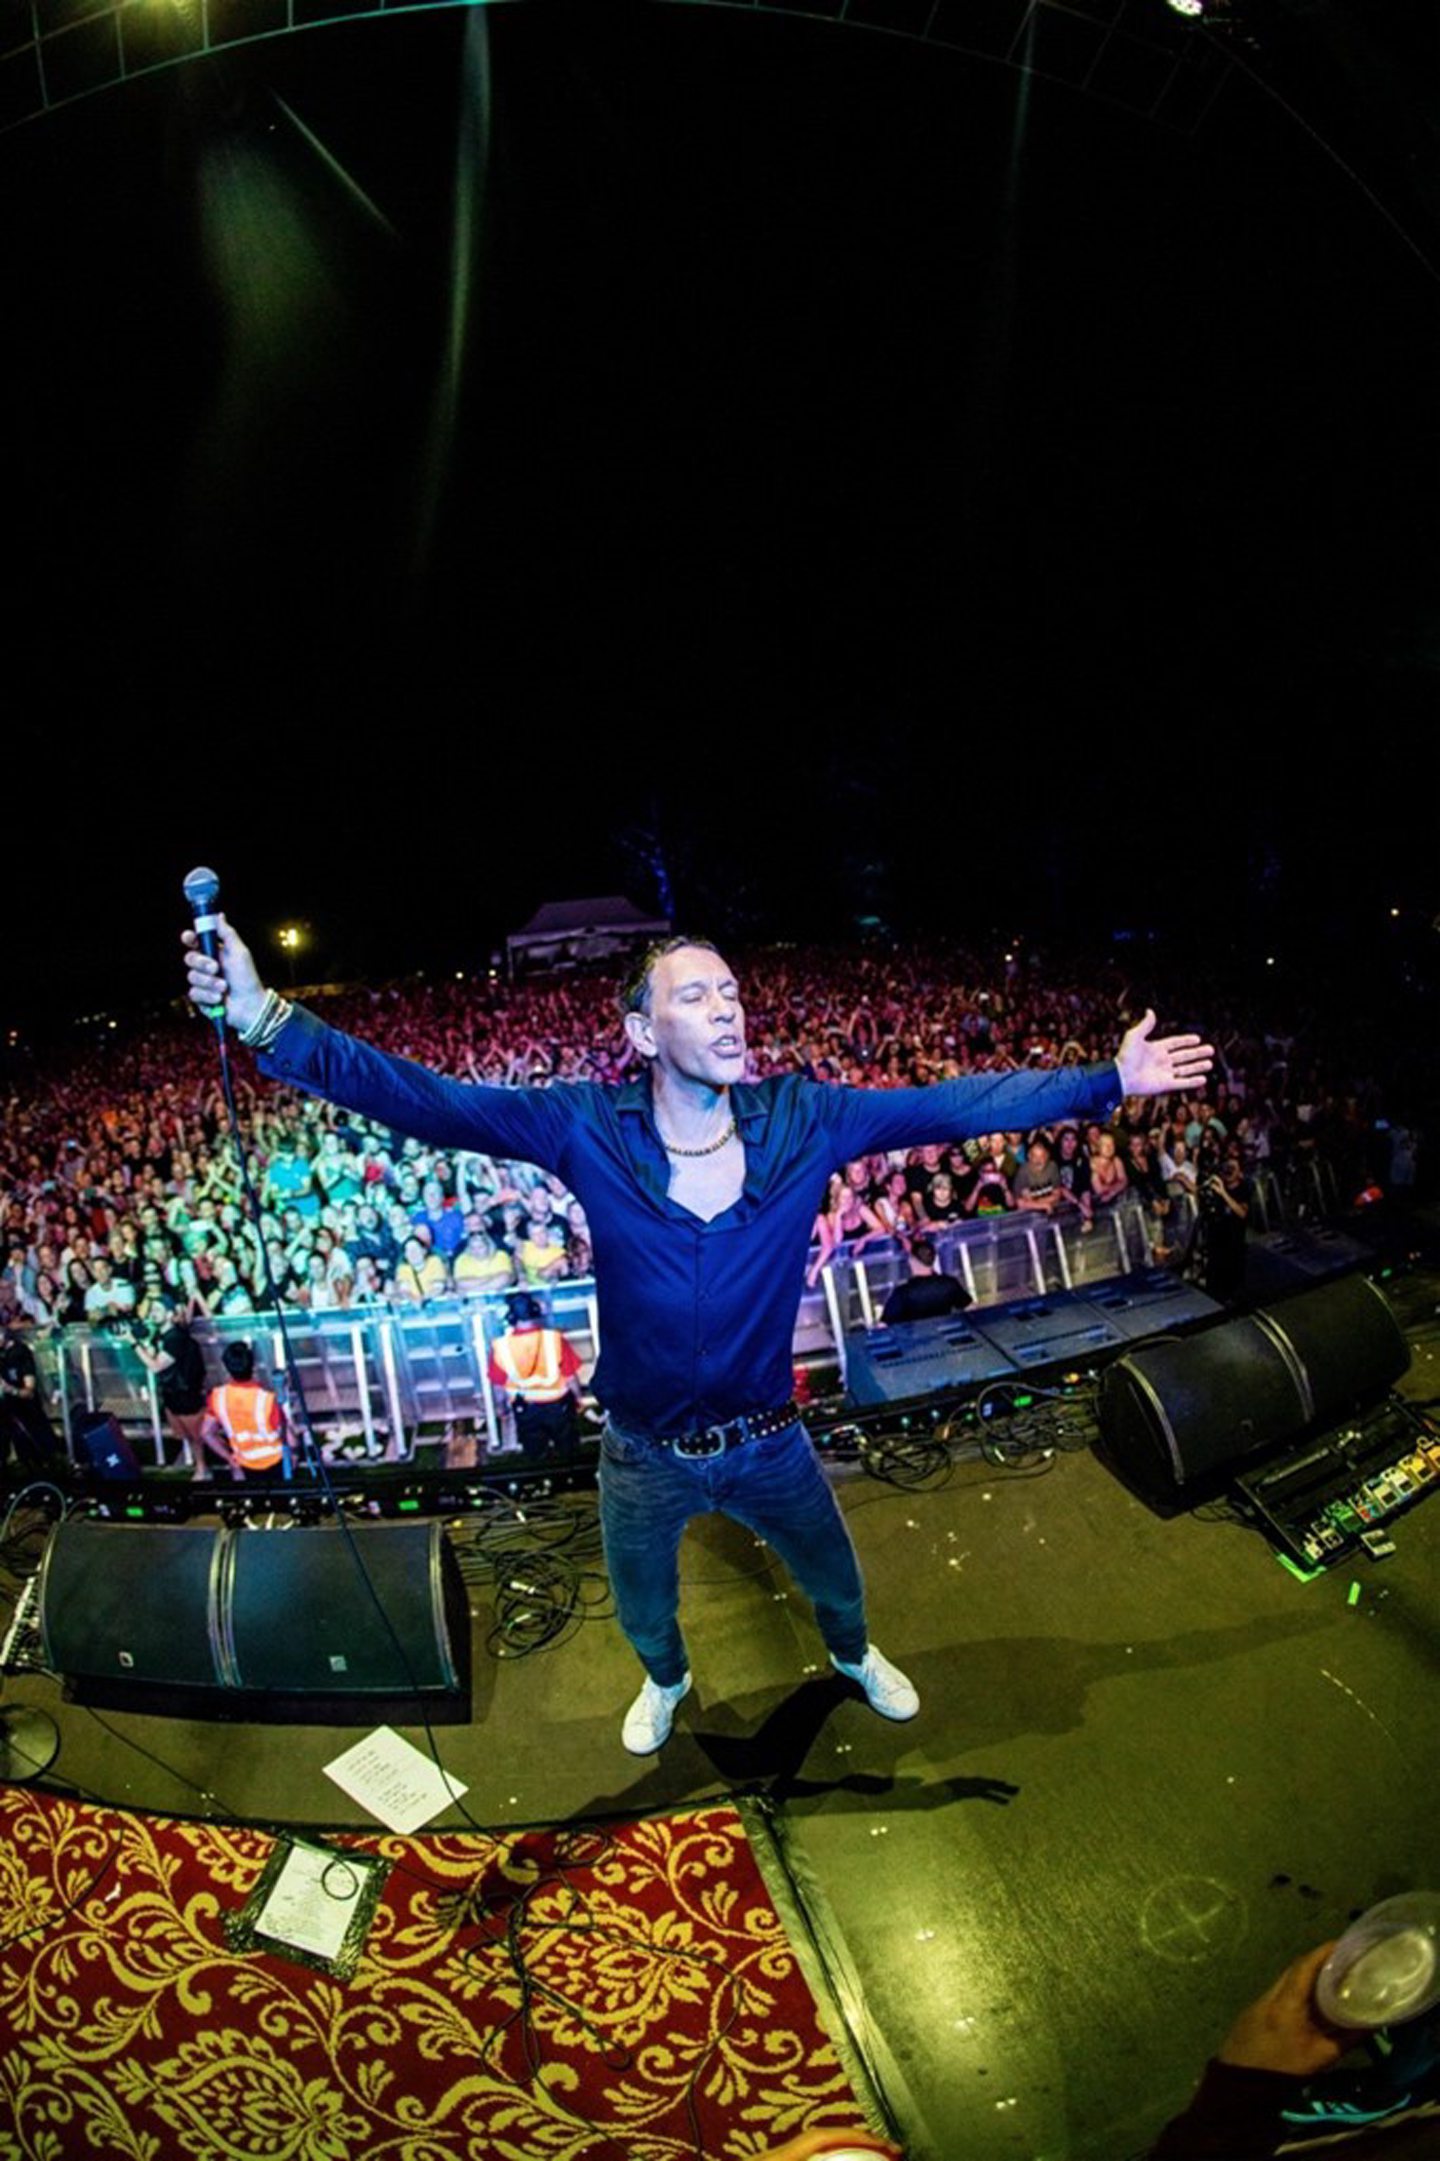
pixel 702 1446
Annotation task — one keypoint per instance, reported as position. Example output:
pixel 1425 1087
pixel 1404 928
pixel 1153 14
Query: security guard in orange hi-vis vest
pixel 539 1374
pixel 244 1419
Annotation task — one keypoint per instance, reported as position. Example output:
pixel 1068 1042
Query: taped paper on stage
pixel 313 1904
pixel 398 1785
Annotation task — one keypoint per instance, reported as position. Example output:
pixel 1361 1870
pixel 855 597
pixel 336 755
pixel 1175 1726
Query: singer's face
pixel 695 1025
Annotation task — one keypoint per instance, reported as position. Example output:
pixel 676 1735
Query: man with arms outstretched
pixel 700 1192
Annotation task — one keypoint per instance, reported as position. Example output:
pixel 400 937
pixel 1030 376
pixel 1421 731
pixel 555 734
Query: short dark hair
pixel 238 1359
pixel 524 1306
pixel 923 1251
pixel 635 995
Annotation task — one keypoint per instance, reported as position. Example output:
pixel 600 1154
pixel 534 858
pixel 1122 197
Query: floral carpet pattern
pixel 620 1994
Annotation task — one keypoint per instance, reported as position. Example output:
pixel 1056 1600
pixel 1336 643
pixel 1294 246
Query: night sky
pixel 904 490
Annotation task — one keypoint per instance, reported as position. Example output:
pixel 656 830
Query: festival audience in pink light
pixel 119 1194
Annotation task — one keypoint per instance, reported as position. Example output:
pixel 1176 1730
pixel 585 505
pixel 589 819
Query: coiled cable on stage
pixel 540 1600
pixel 1022 1429
pixel 26 1519
pixel 542 1561
pixel 907 1460
pixel 17 1561
pixel 1018 1452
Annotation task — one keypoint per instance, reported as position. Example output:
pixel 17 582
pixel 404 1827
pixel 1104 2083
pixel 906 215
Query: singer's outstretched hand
pixel 231 981
pixel 1152 1065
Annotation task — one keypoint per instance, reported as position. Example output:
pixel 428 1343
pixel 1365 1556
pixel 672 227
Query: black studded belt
pixel 732 1433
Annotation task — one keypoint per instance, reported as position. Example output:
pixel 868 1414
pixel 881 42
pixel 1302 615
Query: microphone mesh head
pixel 202 890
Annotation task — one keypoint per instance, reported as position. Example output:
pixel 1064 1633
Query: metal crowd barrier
pixel 377 1373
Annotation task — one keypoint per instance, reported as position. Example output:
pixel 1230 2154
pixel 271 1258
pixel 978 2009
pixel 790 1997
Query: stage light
pixel 1188 7
pixel 291 939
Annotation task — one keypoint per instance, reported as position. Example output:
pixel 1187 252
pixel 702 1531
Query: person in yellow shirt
pixel 481 1265
pixel 420 1275
pixel 541 1253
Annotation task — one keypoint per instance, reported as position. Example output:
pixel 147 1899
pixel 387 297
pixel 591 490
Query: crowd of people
pixel 122 1201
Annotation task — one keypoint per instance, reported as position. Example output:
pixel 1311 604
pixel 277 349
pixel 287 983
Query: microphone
pixel 202 891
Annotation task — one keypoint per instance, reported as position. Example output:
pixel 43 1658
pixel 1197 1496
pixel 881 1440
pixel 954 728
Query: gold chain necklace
pixel 709 1149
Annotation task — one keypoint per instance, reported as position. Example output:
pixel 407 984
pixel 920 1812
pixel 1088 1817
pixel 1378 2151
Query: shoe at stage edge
pixel 650 1717
pixel 886 1688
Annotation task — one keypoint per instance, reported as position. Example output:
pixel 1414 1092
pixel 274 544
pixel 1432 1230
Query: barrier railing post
pixel 396 1450
pixel 487 1386
pixel 832 1307
pixel 862 1284
pixel 362 1384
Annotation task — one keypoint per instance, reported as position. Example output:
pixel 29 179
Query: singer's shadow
pixel 770 1760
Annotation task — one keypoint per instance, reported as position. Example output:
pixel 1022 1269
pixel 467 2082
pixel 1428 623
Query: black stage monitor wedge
pixel 1175 1411
pixel 1173 1414
pixel 132 1602
pixel 302 1618
pixel 283 1613
pixel 1345 1342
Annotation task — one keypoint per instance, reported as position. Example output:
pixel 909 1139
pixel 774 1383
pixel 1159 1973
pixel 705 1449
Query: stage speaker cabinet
pixel 376 1610
pixel 1345 1344
pixel 1176 1413
pixel 293 1613
pixel 132 1603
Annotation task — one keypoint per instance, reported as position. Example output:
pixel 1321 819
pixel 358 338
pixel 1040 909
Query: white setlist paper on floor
pixel 392 1779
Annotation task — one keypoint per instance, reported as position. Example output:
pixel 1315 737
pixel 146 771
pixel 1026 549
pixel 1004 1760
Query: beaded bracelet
pixel 267 1023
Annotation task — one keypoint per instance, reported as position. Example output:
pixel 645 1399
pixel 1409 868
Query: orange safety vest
pixel 250 1415
pixel 540 1380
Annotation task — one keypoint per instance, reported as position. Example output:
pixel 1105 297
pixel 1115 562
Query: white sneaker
pixel 650 1717
pixel 886 1688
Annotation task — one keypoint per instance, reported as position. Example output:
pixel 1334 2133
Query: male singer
pixel 700 1191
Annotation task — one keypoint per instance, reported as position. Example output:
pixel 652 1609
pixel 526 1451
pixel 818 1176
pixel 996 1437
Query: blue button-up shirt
pixel 699 1317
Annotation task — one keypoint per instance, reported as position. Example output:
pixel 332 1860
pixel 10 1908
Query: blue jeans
pixel 775 1487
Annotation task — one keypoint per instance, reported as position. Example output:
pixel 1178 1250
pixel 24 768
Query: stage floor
pixel 1149 1768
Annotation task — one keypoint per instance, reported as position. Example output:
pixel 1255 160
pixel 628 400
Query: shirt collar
pixel 634 1094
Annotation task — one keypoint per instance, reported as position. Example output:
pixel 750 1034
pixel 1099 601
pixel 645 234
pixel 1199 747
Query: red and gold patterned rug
pixel 617 1995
